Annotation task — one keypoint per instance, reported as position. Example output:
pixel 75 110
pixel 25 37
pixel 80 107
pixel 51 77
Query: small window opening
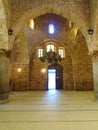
pixel 51 28
pixel 40 52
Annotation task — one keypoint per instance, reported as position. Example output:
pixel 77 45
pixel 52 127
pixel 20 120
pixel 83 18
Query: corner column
pixel 4 77
pixel 95 72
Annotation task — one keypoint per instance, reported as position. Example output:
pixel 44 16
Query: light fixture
pixel 43 70
pixel 19 70
pixel 10 31
pixel 51 57
pixel 90 31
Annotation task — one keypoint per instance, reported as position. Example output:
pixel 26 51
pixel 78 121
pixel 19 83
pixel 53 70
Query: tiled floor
pixel 50 110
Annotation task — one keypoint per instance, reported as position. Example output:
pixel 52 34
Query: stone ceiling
pixel 40 32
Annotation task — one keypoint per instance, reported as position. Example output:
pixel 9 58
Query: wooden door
pixel 59 78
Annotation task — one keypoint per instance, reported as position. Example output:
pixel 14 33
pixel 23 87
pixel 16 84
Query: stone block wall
pixel 77 70
pixel 77 67
pixel 19 79
pixel 20 60
pixel 39 80
pixel 67 72
pixel 77 64
pixel 82 66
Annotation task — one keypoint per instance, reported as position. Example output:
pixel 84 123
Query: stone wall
pixel 77 69
pixel 38 79
pixel 82 65
pixel 77 65
pixel 67 72
pixel 76 11
pixel 20 60
pixel 73 7
pixel 19 79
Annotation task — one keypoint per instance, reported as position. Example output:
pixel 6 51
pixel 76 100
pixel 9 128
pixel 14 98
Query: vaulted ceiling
pixel 47 15
pixel 40 31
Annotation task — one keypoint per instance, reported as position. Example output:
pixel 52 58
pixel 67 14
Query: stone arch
pixel 63 44
pixel 3 28
pixel 71 14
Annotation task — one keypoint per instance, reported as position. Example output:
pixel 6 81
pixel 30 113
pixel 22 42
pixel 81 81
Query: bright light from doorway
pixel 51 79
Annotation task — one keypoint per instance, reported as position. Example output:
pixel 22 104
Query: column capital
pixel 94 55
pixel 5 54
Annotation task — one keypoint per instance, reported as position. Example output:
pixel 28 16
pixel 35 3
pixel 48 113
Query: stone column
pixel 95 72
pixel 4 77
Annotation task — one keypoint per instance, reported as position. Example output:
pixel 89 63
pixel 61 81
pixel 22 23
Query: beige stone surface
pixel 45 110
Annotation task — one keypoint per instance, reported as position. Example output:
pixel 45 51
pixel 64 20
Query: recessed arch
pixel 54 41
pixel 81 23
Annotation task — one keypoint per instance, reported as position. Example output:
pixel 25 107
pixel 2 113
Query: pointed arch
pixel 80 22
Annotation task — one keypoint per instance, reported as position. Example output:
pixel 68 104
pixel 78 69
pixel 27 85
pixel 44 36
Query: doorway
pixel 55 76
pixel 51 79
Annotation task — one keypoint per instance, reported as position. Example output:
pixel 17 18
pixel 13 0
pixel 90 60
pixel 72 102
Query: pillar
pixel 4 77
pixel 95 72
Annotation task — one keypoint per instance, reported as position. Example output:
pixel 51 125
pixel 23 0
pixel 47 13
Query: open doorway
pixel 52 79
pixel 55 76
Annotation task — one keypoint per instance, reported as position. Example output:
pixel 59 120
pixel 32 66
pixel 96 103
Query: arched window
pixel 61 52
pixel 40 52
pixel 31 24
pixel 51 28
pixel 50 47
